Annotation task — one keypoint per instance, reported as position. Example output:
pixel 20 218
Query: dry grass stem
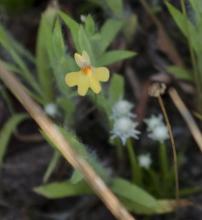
pixel 196 133
pixel 52 131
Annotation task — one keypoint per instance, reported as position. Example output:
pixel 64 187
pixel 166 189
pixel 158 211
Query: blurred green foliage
pixel 16 6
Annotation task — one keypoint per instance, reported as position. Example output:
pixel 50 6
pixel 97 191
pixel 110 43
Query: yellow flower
pixel 88 76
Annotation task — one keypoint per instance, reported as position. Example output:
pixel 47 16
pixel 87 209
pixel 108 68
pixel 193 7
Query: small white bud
pixel 51 109
pixel 83 18
pixel 145 160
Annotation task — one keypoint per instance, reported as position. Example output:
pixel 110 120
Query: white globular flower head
pixel 124 128
pixel 145 160
pixel 153 122
pixel 122 109
pixel 159 133
pixel 156 128
pixel 51 109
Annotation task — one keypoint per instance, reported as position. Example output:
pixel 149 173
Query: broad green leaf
pixel 63 189
pixel 116 89
pixel 180 72
pixel 73 27
pixel 42 59
pixel 108 32
pixel 114 56
pixel 133 193
pixel 7 131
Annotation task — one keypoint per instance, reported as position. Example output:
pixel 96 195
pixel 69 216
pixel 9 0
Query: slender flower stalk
pixel 163 159
pixel 135 168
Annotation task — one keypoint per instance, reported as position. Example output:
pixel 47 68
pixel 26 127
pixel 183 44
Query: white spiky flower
pixel 145 160
pixel 122 109
pixel 156 128
pixel 51 109
pixel 153 121
pixel 124 128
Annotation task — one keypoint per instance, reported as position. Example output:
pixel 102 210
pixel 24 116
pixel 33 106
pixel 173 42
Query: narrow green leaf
pixel 73 27
pixel 60 62
pixel 63 189
pixel 76 177
pixel 114 56
pixel 116 89
pixel 90 25
pixel 58 43
pixel 8 43
pixel 7 131
pixel 180 72
pixel 132 193
pixel 102 103
pixel 161 207
pixel 108 32
pixel 181 20
pixel 116 6
pixel 52 165
pixel 42 59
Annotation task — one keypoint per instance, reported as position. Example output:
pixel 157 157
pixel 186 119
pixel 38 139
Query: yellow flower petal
pixel 86 57
pixel 72 79
pixel 83 84
pixel 82 60
pixel 101 74
pixel 94 85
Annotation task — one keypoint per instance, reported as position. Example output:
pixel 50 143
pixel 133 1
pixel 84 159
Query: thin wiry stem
pixel 161 103
pixel 191 51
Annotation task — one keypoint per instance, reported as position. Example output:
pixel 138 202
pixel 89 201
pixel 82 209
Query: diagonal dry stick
pixel 196 133
pixel 52 131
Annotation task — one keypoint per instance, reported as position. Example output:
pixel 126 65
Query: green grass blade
pixel 7 131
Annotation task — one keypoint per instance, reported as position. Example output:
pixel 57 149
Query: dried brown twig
pixel 196 133
pixel 54 134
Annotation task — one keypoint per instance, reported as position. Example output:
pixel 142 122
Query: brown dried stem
pixel 196 133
